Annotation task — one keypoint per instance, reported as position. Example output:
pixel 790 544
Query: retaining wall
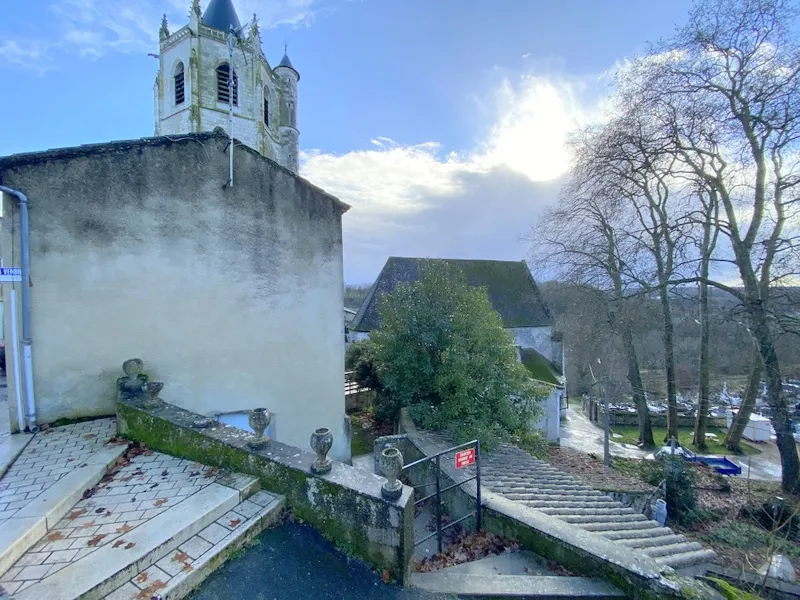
pixel 345 505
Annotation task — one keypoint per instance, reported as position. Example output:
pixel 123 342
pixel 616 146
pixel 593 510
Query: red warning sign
pixel 465 458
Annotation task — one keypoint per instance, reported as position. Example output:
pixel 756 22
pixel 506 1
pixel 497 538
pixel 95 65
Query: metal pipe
pixel 479 517
pixel 230 105
pixel 12 301
pixel 27 352
pixel 438 503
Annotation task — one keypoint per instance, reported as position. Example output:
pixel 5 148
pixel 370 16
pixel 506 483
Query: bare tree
pixel 726 87
pixel 580 238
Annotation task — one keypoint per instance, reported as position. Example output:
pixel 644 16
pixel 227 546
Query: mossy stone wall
pixel 344 505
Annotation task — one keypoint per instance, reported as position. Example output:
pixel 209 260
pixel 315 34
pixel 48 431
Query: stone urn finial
pixel 259 419
pixel 132 385
pixel 391 463
pixel 321 442
pixel 153 389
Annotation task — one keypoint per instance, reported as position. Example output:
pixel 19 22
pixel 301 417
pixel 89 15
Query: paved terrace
pixel 143 526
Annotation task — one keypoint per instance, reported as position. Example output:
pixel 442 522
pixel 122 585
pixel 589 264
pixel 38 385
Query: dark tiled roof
pixel 510 285
pixel 220 14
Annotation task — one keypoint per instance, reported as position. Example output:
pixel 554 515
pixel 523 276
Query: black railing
pixel 436 458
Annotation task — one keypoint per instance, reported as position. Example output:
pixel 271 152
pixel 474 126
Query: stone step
pixel 653 532
pixel 592 503
pixel 576 511
pixel 515 586
pixel 557 495
pixel 103 571
pixel 597 527
pixel 677 561
pixel 34 520
pixel 672 549
pixel 662 540
pixel 178 572
pixel 598 519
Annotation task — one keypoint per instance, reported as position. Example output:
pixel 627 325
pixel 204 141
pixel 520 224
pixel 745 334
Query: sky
pixel 443 124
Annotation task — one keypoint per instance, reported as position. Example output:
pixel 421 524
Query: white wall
pixel 232 297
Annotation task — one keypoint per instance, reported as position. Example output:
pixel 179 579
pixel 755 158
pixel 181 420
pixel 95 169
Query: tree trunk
pixel 699 439
pixel 733 439
pixel 784 439
pixel 669 365
pixel 635 379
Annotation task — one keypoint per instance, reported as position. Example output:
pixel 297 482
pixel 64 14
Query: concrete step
pixel 597 527
pixel 662 540
pixel 34 520
pixel 515 586
pixel 592 503
pixel 575 511
pixel 678 561
pixel 529 494
pixel 672 549
pixel 178 572
pixel 597 519
pixel 652 532
pixel 101 572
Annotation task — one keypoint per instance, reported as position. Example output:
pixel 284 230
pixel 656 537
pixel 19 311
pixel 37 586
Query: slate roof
pixel 221 14
pixel 510 285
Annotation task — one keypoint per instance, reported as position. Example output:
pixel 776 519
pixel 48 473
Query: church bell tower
pixel 198 80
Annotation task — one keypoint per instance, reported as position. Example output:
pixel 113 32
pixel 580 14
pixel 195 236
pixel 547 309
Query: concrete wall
pixel 539 338
pixel 233 297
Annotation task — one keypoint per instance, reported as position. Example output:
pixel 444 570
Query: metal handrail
pixel 438 493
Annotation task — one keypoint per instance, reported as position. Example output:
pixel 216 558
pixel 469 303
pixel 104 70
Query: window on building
pixel 266 106
pixel 223 72
pixel 179 88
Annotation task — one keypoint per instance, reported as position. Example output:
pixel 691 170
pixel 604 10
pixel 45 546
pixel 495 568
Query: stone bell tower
pixel 198 80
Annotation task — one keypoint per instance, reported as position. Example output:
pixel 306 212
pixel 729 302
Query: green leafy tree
pixel 442 352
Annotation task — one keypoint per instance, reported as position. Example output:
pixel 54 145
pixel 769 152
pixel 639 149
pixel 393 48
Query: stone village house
pixel 513 293
pixel 231 294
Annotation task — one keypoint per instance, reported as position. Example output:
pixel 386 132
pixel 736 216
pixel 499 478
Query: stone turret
pixel 289 132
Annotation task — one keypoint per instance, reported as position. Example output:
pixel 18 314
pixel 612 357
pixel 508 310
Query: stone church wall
pixel 231 296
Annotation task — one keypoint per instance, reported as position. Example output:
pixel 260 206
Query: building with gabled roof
pixel 513 293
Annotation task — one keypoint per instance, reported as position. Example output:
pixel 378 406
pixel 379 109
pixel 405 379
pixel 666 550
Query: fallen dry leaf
pixel 90 436
pixel 160 502
pixel 235 522
pixel 118 543
pixel 87 525
pixel 180 557
pixel 150 591
pixel 385 576
pixel 129 545
pixel 124 528
pixel 76 513
pixel 56 535
pixel 142 577
pixel 96 539
pixel 99 510
pixel 164 473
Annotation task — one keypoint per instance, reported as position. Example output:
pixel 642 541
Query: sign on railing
pixel 464 458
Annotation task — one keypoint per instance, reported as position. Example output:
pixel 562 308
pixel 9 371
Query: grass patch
pixel 630 435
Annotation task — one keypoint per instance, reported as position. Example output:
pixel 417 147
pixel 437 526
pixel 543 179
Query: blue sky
pixel 441 122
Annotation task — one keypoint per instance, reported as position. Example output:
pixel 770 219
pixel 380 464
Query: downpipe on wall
pixel 27 353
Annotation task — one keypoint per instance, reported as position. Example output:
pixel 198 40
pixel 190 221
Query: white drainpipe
pixel 27 353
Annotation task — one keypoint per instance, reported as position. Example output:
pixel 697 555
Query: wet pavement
pixel 293 561
pixel 581 434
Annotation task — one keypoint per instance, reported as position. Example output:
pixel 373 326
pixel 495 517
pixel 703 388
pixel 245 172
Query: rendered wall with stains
pixel 232 296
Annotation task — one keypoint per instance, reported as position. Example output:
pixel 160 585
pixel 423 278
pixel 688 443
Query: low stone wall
pixel 345 505
pixel 594 410
pixel 581 551
pixel 360 400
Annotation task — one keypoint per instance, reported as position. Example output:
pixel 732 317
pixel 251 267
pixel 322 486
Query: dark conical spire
pixel 220 14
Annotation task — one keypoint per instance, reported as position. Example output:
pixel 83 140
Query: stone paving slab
pixel 182 570
pixel 98 573
pixel 516 586
pixel 11 447
pixel 48 457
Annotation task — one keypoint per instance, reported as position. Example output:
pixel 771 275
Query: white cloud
pixel 93 28
pixel 422 200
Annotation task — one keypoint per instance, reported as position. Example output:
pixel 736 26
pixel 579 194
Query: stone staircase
pixel 518 476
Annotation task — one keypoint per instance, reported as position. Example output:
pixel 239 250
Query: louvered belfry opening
pixel 223 72
pixel 179 85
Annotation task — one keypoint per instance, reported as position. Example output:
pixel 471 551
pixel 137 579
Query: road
pixel 293 561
